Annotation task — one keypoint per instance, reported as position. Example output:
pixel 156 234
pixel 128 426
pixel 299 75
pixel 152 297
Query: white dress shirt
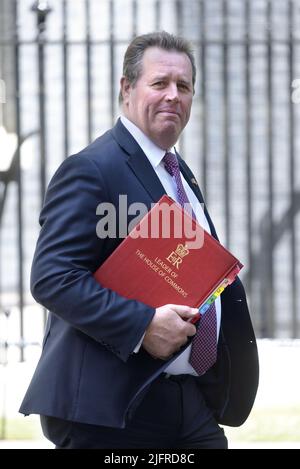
pixel 155 155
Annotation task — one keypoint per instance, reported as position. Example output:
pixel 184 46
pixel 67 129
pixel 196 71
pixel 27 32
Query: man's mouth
pixel 169 111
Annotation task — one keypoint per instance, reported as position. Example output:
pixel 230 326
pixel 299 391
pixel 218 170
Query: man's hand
pixel 169 330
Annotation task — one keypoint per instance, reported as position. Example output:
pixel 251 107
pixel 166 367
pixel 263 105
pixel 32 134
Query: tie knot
pixel 171 163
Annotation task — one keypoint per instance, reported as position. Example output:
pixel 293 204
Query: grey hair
pixel 132 65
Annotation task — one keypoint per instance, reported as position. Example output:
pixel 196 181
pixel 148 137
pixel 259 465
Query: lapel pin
pixel 193 181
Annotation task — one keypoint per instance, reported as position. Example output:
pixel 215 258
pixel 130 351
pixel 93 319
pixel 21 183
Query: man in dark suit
pixel 117 373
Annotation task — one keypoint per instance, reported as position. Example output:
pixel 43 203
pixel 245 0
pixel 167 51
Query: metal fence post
pixel 42 10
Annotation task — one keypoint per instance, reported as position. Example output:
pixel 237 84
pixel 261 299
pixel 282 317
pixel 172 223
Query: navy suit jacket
pixel 88 371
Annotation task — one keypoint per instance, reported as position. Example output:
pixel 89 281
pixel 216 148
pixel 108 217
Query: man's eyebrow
pixel 159 77
pixel 186 82
pixel 166 77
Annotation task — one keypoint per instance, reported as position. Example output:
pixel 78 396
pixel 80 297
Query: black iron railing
pixel 234 59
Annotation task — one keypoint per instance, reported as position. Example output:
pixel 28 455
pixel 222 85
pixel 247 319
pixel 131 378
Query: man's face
pixel 160 101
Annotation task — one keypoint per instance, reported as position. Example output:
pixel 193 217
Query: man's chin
pixel 167 136
pixel 169 125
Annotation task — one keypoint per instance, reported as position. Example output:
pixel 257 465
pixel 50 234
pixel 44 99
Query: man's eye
pixel 182 86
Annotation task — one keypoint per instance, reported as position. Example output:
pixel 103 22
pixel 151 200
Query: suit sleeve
pixel 68 251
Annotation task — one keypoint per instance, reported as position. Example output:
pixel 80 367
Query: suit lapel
pixel 143 170
pixel 138 162
pixel 191 180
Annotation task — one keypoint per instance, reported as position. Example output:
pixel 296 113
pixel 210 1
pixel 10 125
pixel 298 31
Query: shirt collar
pixel 152 151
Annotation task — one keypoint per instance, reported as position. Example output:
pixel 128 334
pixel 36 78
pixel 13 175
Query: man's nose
pixel 172 92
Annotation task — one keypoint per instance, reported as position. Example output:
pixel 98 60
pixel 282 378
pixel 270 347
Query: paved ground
pixel 279 386
pixel 44 444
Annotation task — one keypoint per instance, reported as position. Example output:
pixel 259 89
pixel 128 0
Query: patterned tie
pixel 204 346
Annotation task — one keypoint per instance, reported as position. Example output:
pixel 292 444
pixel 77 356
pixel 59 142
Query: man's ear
pixel 125 88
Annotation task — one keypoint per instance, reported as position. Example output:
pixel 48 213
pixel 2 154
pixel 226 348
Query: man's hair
pixel 132 65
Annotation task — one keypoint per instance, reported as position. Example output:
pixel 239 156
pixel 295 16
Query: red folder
pixel 161 262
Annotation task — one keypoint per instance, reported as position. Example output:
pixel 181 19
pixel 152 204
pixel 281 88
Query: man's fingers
pixel 169 330
pixel 185 312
